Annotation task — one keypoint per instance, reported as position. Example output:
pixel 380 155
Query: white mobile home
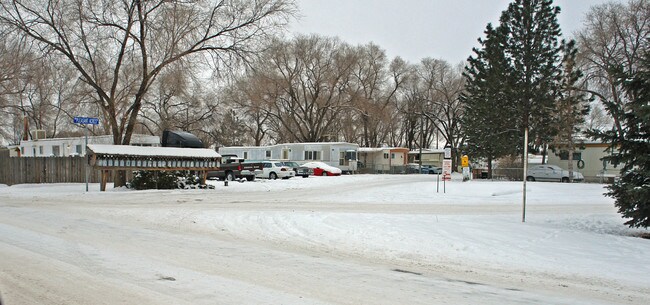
pixel 589 157
pixel 339 154
pixel 430 157
pixel 383 159
pixel 63 147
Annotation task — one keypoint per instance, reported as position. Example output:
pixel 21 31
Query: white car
pixel 548 172
pixel 274 170
pixel 323 169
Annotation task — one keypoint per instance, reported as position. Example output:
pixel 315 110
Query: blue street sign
pixel 85 121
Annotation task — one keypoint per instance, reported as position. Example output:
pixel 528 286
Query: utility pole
pixel 523 214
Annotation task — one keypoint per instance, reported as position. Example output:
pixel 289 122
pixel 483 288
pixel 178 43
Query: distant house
pixel 75 146
pixel 591 154
pixel 383 159
pixel 430 157
pixel 339 154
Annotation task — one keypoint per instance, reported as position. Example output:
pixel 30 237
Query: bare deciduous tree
pixel 120 48
pixel 373 88
pixel 306 80
pixel 44 93
pixel 178 100
pixel 615 35
pixel 441 85
pixel 248 97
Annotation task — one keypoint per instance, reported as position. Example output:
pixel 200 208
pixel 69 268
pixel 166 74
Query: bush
pixel 163 180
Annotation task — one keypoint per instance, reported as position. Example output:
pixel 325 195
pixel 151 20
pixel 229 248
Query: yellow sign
pixel 464 161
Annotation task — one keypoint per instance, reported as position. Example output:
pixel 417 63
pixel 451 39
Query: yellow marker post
pixel 464 161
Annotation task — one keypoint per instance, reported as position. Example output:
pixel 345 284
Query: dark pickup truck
pixel 234 168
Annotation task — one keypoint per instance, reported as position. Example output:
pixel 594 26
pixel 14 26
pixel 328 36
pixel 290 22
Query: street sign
pixel 447 152
pixel 446 169
pixel 85 120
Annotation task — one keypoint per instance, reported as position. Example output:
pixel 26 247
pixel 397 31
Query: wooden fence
pixel 16 170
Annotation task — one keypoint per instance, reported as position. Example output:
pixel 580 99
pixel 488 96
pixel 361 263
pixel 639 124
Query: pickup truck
pixel 234 168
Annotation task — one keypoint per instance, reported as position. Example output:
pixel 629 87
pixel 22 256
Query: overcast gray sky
pixel 415 29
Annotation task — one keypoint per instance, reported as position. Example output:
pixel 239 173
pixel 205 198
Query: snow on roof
pixel 284 144
pixel 127 150
pixel 378 149
pixel 322 143
pixel 427 151
pixel 109 138
pixel 369 149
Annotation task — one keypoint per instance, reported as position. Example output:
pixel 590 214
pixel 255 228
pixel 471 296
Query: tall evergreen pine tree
pixel 632 147
pixel 533 47
pixel 571 107
pixel 487 129
pixel 514 81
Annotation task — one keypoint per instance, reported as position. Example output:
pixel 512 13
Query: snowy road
pixel 322 240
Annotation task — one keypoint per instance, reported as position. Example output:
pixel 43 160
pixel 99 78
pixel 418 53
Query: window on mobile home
pixel 312 155
pixel 564 155
pixel 346 156
pixel 268 154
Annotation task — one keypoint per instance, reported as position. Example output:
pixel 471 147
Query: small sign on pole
pixel 446 170
pixel 86 121
pixel 464 162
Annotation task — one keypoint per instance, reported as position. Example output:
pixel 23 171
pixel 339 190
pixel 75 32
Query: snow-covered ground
pixel 361 239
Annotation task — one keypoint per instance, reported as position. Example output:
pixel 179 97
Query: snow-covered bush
pixel 163 180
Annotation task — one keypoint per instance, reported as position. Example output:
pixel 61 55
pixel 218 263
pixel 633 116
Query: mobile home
pixel 63 147
pixel 339 154
pixel 383 159
pixel 430 157
pixel 587 159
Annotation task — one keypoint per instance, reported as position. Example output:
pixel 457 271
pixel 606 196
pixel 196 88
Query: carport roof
pixel 149 151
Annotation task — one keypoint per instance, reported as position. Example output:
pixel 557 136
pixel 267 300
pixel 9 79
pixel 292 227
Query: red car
pixel 323 169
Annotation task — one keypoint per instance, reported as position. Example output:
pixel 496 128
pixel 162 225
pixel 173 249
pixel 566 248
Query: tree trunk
pixel 489 164
pixel 119 178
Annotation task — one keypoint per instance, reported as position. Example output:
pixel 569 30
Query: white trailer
pixel 338 154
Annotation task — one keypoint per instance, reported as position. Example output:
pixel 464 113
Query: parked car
pixel 323 169
pixel 548 172
pixel 431 170
pixel 301 171
pixel 233 168
pixel 414 168
pixel 274 170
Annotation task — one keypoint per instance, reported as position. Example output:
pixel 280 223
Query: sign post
pixel 446 164
pixel 86 121
pixel 446 167
pixel 464 162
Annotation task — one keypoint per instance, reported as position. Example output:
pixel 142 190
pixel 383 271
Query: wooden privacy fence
pixel 17 170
